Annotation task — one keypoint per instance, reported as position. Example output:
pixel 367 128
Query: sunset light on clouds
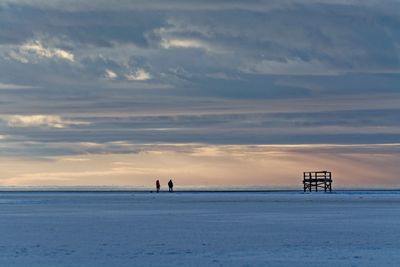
pixel 215 94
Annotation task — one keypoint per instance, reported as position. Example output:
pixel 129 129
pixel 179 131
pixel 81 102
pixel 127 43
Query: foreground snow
pixel 199 229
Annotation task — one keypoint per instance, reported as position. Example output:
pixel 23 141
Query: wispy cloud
pixel 8 86
pixel 34 50
pixel 294 66
pixel 139 75
pixel 110 75
pixel 51 121
pixel 183 43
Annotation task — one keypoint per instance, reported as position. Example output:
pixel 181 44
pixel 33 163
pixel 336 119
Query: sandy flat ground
pixel 200 229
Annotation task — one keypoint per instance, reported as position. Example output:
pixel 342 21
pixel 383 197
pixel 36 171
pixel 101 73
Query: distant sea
pixel 192 189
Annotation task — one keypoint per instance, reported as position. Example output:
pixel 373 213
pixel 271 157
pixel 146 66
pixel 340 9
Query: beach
pixel 344 228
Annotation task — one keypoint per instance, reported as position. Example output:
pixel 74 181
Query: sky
pixel 209 93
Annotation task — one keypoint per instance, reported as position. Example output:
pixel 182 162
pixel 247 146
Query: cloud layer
pixel 188 72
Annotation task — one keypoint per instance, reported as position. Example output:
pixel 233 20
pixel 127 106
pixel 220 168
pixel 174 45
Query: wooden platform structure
pixel 318 179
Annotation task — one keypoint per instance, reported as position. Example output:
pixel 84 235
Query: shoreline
pixel 192 191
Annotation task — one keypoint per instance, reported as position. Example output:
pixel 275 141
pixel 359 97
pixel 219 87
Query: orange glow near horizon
pixel 196 166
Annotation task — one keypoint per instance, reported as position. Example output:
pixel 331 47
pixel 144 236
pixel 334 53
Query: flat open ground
pixel 199 229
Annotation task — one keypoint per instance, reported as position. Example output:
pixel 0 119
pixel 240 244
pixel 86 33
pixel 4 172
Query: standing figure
pixel 158 186
pixel 170 186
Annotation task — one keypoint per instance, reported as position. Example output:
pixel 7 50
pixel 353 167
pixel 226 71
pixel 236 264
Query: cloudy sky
pixel 210 93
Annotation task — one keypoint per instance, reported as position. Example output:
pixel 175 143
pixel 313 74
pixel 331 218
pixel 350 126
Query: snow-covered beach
pixel 199 229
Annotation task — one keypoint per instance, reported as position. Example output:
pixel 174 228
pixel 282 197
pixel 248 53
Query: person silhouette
pixel 158 186
pixel 170 186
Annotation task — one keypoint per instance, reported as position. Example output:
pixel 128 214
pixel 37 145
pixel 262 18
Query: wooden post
pixel 316 182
